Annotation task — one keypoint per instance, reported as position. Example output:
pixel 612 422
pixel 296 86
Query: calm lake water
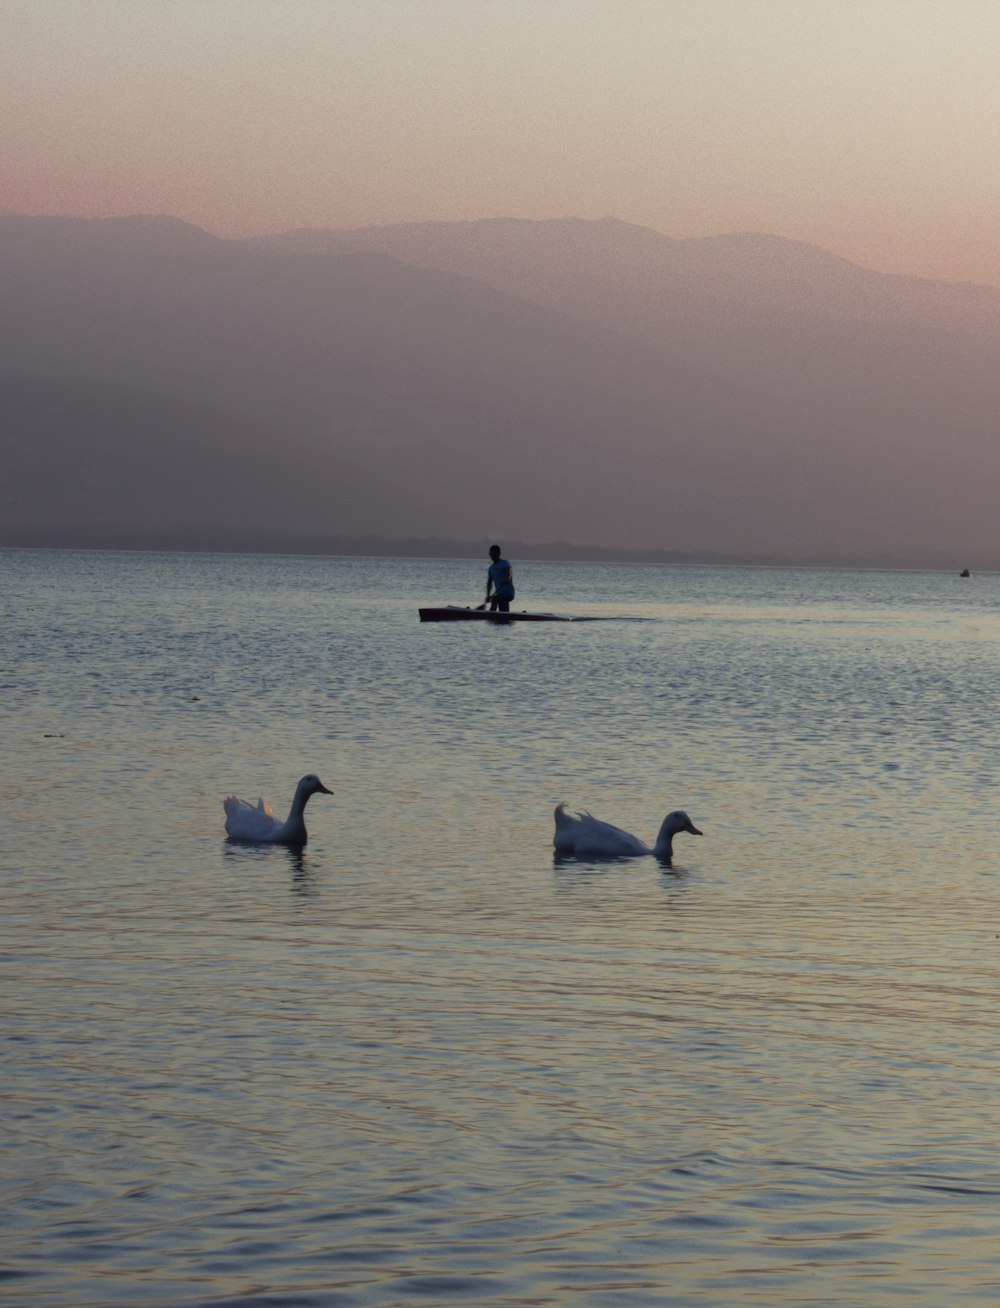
pixel 422 1062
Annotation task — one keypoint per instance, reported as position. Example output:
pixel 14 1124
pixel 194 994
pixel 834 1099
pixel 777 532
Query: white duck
pixel 256 822
pixel 584 836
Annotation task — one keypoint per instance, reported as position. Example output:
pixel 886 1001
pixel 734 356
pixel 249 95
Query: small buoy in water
pixel 965 573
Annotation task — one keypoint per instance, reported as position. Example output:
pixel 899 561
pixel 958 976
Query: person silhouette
pixel 499 580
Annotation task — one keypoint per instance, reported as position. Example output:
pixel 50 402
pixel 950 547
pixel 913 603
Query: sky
pixel 868 127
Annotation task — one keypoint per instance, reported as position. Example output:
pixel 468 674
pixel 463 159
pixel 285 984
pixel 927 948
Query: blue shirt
pixel 498 573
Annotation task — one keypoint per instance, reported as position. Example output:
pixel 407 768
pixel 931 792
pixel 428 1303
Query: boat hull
pixel 452 613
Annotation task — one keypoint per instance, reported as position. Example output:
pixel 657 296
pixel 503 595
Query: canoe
pixel 452 613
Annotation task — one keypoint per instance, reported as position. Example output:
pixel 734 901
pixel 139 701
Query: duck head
pixel 311 785
pixel 679 821
pixel 673 823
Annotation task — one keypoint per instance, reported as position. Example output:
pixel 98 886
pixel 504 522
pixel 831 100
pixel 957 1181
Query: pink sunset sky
pixel 868 127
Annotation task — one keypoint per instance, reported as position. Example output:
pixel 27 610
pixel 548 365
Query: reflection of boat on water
pixel 965 573
pixel 452 613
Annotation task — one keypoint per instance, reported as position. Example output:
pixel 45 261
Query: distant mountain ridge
pixel 91 457
pixel 636 277
pixel 589 382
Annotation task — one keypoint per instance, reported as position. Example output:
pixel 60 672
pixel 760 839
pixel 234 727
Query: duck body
pixel 256 822
pixel 580 835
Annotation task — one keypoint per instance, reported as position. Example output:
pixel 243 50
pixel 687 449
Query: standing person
pixel 499 579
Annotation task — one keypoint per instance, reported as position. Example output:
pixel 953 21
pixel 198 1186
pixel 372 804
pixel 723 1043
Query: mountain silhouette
pixel 99 458
pixel 589 382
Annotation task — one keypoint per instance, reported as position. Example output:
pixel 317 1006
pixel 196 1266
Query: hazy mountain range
pixel 535 381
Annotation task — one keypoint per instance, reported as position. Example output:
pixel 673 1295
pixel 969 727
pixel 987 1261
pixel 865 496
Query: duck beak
pixel 324 790
pixel 693 830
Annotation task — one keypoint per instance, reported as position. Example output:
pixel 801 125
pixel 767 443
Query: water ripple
pixel 421 1061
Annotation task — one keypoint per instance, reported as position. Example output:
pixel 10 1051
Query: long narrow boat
pixel 452 613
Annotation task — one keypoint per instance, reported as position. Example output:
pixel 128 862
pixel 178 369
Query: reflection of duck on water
pixel 965 573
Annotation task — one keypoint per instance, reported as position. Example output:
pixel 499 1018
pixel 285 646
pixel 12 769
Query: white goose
pixel 256 822
pixel 584 836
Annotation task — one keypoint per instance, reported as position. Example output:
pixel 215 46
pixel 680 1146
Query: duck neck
pixel 664 847
pixel 295 822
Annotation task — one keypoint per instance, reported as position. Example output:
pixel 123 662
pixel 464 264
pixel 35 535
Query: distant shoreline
pixel 203 541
